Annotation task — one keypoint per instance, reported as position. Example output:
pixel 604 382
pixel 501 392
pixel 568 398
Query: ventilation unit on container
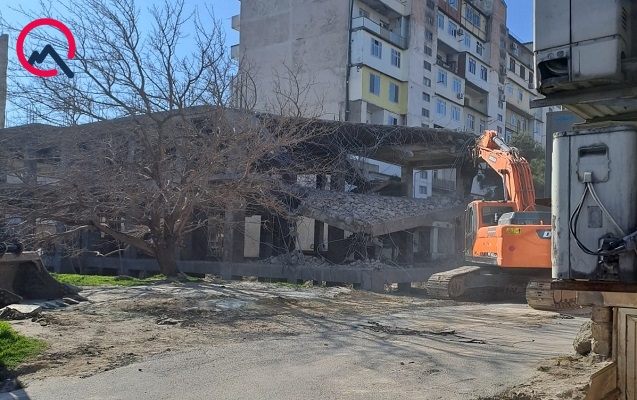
pixel 581 43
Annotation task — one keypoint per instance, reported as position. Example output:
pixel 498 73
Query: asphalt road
pixel 493 348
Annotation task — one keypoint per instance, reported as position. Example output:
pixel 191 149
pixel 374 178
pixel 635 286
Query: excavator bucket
pixel 23 276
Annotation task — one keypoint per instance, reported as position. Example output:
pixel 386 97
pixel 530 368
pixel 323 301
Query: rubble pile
pixel 362 211
pixel 316 262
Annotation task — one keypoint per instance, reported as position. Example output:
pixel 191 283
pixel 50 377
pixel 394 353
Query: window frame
pixel 394 93
pixel 375 85
pixel 377 47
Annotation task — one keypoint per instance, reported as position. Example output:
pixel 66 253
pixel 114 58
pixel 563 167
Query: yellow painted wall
pixel 382 100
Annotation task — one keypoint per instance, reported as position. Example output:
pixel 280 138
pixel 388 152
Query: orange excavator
pixel 507 243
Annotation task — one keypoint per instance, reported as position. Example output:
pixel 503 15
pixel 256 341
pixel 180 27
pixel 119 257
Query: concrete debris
pixel 19 311
pixel 583 340
pixel 169 321
pixel 315 262
pixel 361 213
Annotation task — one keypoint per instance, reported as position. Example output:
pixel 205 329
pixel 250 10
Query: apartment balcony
pixel 451 67
pixel 234 52
pixel 236 22
pixel 389 8
pixel 371 26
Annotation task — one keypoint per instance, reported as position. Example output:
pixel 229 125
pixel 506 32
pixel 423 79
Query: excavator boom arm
pixel 514 169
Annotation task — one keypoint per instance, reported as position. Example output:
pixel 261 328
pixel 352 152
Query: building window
pixel 467 41
pixel 441 21
pixel 499 129
pixel 479 48
pixel 455 113
pixel 483 126
pixel 424 174
pixel 431 4
pixel 363 13
pixel 426 97
pixel 391 120
pixel 452 28
pixel 427 65
pixel 471 122
pixel 425 113
pixel 457 85
pixel 483 72
pixel 426 81
pixel 472 66
pixel 503 43
pixel 510 89
pixel 531 81
pixel 441 107
pixel 454 4
pixel 522 72
pixel 512 65
pixel 424 125
pixel 429 18
pixel 374 84
pixel 393 92
pixel 377 48
pixel 395 58
pixel 429 36
pixel 501 105
pixel 472 16
pixel 520 95
pixel 500 117
pixel 442 77
pixel 514 120
pixel 428 50
pixel 422 189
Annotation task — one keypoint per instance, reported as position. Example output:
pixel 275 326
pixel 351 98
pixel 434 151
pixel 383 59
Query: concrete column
pixel 407 177
pixel 433 237
pixel 266 237
pixel 4 60
pixel 405 247
pixel 233 239
pixel 319 226
pixel 602 331
pixel 335 236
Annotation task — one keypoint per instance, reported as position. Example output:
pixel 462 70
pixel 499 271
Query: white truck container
pixel 594 194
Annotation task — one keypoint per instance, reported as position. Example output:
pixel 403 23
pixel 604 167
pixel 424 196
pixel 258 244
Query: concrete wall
pixel 305 33
pixel 4 59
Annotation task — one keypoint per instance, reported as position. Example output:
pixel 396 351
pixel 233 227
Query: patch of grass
pixel 98 280
pixel 15 348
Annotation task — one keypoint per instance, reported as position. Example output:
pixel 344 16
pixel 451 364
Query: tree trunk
pixel 166 257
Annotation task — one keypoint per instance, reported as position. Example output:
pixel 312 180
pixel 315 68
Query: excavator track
pixel 449 284
pixel 540 296
pixel 474 283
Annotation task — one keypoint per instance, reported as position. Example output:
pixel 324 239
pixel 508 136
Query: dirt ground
pixel 119 326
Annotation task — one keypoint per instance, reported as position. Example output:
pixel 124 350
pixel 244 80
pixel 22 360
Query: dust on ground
pixel 119 326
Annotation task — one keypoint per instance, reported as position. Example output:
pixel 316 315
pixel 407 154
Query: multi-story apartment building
pixel 430 63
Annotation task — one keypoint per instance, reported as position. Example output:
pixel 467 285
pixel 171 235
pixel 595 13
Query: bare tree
pixel 152 152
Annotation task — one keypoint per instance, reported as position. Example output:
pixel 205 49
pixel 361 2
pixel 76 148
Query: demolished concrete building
pixel 412 231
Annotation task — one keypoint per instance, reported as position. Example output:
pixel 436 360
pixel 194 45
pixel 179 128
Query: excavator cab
pixel 481 214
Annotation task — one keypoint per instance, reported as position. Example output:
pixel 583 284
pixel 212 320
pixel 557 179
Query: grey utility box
pixel 605 157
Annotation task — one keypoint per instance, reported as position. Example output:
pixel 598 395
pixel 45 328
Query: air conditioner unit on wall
pixel 531 85
pixel 459 32
pixel 502 97
pixel 460 96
